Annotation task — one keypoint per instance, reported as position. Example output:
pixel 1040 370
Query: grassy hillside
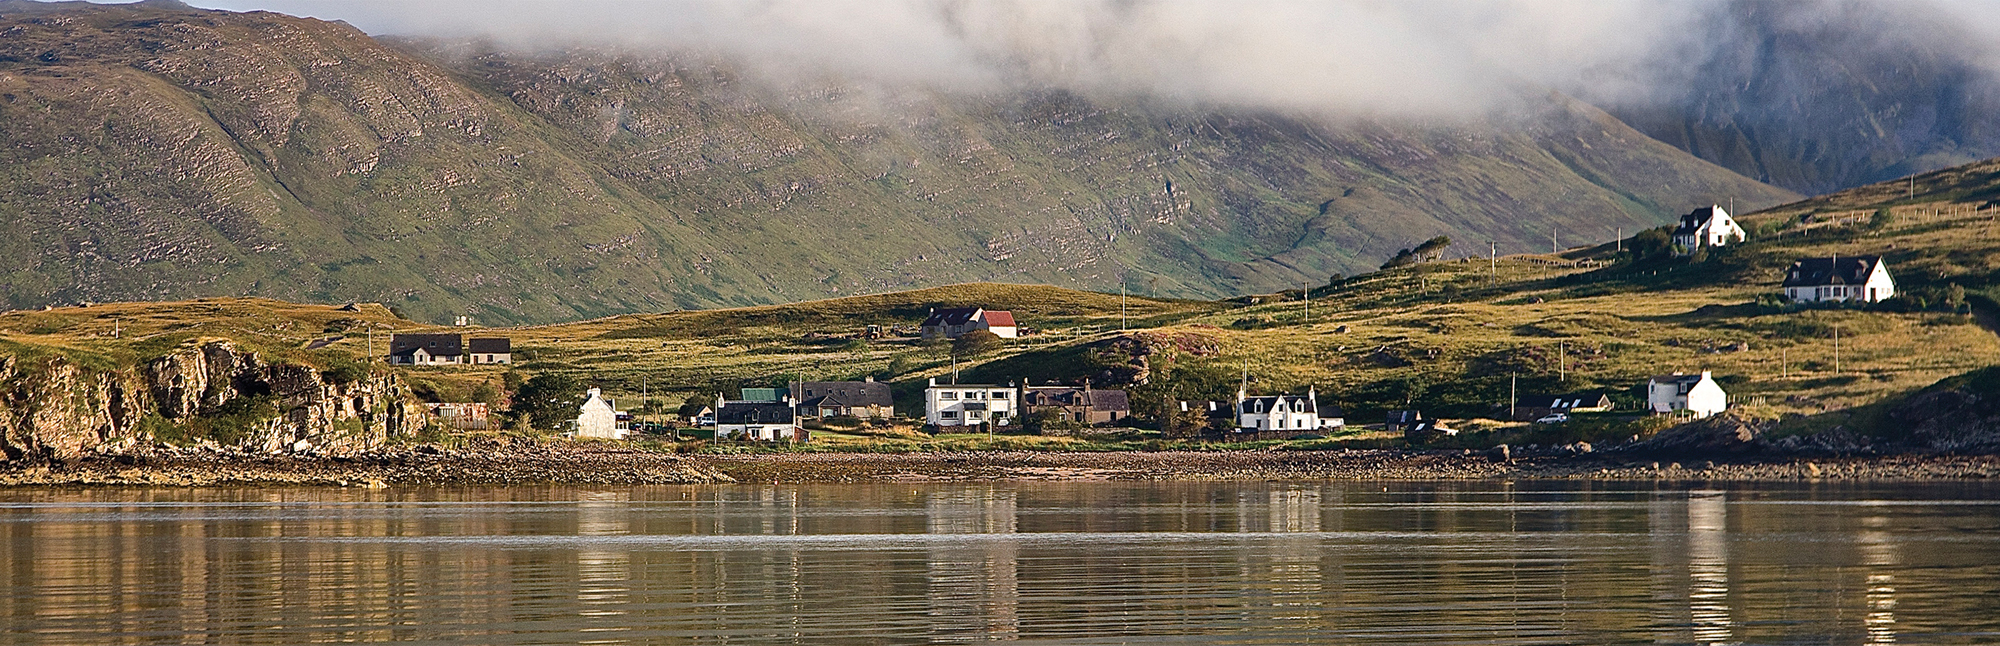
pixel 1451 337
pixel 156 152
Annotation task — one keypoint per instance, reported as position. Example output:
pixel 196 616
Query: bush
pixel 975 343
pixel 549 400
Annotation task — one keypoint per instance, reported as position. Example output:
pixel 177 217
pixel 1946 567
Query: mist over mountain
pixel 157 151
pixel 1820 96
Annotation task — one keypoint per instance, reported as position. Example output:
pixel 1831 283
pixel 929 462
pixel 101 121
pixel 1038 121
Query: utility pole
pixel 1913 187
pixel 1552 241
pixel 1562 362
pixel 1621 239
pixel 1836 350
pixel 1308 300
pixel 1513 382
pixel 1493 258
pixel 1785 363
pixel 1121 305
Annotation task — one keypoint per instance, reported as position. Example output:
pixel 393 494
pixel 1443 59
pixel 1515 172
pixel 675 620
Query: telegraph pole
pixel 1493 258
pixel 1562 362
pixel 1121 305
pixel 1513 382
pixel 1308 300
pixel 1836 350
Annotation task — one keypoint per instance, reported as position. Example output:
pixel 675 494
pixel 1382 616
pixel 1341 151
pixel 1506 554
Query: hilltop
pixel 157 152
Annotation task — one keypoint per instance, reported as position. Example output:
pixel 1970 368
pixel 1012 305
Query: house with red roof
pixel 950 323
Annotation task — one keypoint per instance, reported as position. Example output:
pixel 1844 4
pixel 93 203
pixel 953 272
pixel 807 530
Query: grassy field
pixel 1456 338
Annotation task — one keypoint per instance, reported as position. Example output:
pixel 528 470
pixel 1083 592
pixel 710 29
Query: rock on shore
pixel 528 463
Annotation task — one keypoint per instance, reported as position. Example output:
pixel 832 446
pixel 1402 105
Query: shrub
pixel 975 343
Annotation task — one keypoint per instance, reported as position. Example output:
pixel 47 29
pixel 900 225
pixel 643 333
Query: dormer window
pixel 1260 407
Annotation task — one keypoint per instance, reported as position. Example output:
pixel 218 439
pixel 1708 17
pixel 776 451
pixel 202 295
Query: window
pixel 1002 394
pixel 973 415
pixel 1260 407
pixel 950 414
pixel 948 394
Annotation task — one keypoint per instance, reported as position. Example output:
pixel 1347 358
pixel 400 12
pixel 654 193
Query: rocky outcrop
pixel 54 409
pixel 1724 434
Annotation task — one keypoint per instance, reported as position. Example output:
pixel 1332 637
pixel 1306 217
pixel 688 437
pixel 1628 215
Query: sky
pixel 1413 58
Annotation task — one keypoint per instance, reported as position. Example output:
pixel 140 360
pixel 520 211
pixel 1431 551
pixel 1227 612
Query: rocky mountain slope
pixel 154 151
pixel 1821 96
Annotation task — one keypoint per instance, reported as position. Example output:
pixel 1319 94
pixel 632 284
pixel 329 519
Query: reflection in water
pixel 1708 566
pixel 1878 556
pixel 602 576
pixel 1060 563
pixel 974 587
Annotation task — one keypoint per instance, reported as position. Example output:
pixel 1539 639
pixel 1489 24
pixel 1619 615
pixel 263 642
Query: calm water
pixel 1074 563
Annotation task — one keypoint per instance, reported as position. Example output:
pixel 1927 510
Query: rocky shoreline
pixel 415 466
pixel 557 463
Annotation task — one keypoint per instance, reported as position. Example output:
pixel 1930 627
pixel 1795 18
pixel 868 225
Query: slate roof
pixel 491 346
pixel 1815 272
pixel 1311 406
pixel 951 316
pixel 1677 379
pixel 1692 222
pixel 755 413
pixel 438 345
pixel 1568 401
pixel 843 393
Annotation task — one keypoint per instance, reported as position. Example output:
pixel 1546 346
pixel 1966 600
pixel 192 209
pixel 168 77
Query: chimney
pixel 868 379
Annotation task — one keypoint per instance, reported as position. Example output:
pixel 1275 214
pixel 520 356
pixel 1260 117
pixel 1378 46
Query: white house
pixel 1696 394
pixel 599 418
pixel 494 350
pixel 1834 278
pixel 952 322
pixel 1710 227
pixel 950 405
pixel 426 349
pixel 764 421
pixel 1282 413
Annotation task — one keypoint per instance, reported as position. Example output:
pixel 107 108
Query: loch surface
pixel 1054 563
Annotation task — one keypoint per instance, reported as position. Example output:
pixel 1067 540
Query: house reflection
pixel 974 584
pixel 1708 567
pixel 1878 559
pixel 603 587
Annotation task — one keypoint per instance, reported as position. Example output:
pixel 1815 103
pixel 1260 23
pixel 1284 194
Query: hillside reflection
pixel 1250 563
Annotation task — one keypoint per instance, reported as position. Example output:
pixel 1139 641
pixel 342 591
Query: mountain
pixel 1820 96
pixel 153 151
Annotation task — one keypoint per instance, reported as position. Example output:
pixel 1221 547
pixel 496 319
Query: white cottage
pixel 1707 227
pixel 1282 413
pixel 599 418
pixel 1696 394
pixel 951 405
pixel 1834 278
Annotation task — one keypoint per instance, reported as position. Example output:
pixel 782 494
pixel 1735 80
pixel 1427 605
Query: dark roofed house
pixel 866 399
pixel 426 349
pixel 1706 227
pixel 1399 420
pixel 1079 404
pixel 767 421
pixel 952 322
pixel 491 350
pixel 1840 279
pixel 1530 407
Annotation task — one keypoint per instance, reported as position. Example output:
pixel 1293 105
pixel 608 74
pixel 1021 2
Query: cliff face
pixel 53 408
pixel 153 151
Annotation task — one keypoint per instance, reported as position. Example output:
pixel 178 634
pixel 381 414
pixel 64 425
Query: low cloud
pixel 1409 58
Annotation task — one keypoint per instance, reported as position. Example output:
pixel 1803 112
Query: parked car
pixel 1553 418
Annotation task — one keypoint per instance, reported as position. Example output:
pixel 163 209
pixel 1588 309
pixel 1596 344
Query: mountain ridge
pixel 160 152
